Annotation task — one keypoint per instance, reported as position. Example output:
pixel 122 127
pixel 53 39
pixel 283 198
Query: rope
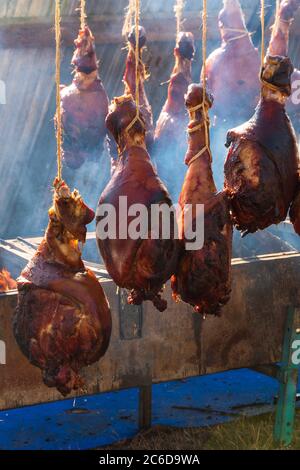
pixel 57 78
pixel 202 105
pixel 128 20
pixel 137 68
pixel 178 9
pixel 83 14
pixel 262 17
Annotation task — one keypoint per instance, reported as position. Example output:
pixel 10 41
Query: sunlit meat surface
pixel 139 265
pixel 203 276
pixel 170 131
pixel 84 106
pixel 279 45
pixel 62 322
pixel 232 70
pixel 262 162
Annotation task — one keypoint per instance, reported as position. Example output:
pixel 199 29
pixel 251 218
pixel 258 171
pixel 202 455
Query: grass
pixel 254 433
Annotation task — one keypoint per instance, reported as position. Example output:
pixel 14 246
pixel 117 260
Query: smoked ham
pixel 232 70
pixel 261 166
pixel 62 322
pixel 279 45
pixel 130 89
pixel 84 106
pixel 170 131
pixel 202 277
pixel 140 265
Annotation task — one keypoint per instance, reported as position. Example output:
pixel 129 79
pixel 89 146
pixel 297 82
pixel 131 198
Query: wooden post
pixel 288 379
pixel 145 406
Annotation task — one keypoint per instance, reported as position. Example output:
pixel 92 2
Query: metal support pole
pixel 288 380
pixel 145 406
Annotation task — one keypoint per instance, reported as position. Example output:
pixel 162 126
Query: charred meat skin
pixel 202 277
pixel 261 166
pixel 232 70
pixel 170 131
pixel 143 265
pixel 130 89
pixel 62 322
pixel 84 106
pixel 279 45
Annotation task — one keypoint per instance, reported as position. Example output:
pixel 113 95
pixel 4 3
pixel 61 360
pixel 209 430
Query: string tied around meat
pixel 137 69
pixel 203 105
pixel 205 123
pixel 242 33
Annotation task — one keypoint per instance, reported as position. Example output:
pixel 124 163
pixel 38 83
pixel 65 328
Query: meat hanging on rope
pixel 129 81
pixel 144 264
pixel 84 106
pixel 62 322
pixel 130 78
pixel 232 70
pixel 202 277
pixel 170 131
pixel 262 162
pixel 279 45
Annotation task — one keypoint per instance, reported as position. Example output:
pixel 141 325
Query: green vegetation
pixel 254 433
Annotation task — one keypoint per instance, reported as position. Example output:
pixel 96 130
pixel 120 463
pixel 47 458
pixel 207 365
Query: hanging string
pixel 137 68
pixel 203 105
pixel 57 78
pixel 128 20
pixel 262 18
pixel 83 15
pixel 178 9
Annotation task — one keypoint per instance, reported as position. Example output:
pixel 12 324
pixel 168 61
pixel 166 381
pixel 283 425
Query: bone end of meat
pixel 142 37
pixel 185 45
pixel 84 58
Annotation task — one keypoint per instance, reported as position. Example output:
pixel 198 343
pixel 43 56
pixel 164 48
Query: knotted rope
pixel 203 105
pixel 137 68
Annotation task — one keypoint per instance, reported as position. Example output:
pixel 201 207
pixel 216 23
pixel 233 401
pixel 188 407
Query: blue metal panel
pixel 99 420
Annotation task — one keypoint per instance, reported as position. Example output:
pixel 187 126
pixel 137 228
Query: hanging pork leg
pixel 84 106
pixel 262 162
pixel 62 322
pixel 202 277
pixel 141 265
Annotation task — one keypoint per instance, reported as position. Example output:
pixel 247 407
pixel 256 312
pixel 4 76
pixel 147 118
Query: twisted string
pixel 178 9
pixel 57 79
pixel 128 19
pixel 204 105
pixel 83 15
pixel 137 68
pixel 262 18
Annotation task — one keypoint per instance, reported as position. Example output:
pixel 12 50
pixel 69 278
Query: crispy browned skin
pixel 261 166
pixel 84 106
pixel 279 45
pixel 170 136
pixel 203 276
pixel 142 266
pixel 232 70
pixel 62 322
